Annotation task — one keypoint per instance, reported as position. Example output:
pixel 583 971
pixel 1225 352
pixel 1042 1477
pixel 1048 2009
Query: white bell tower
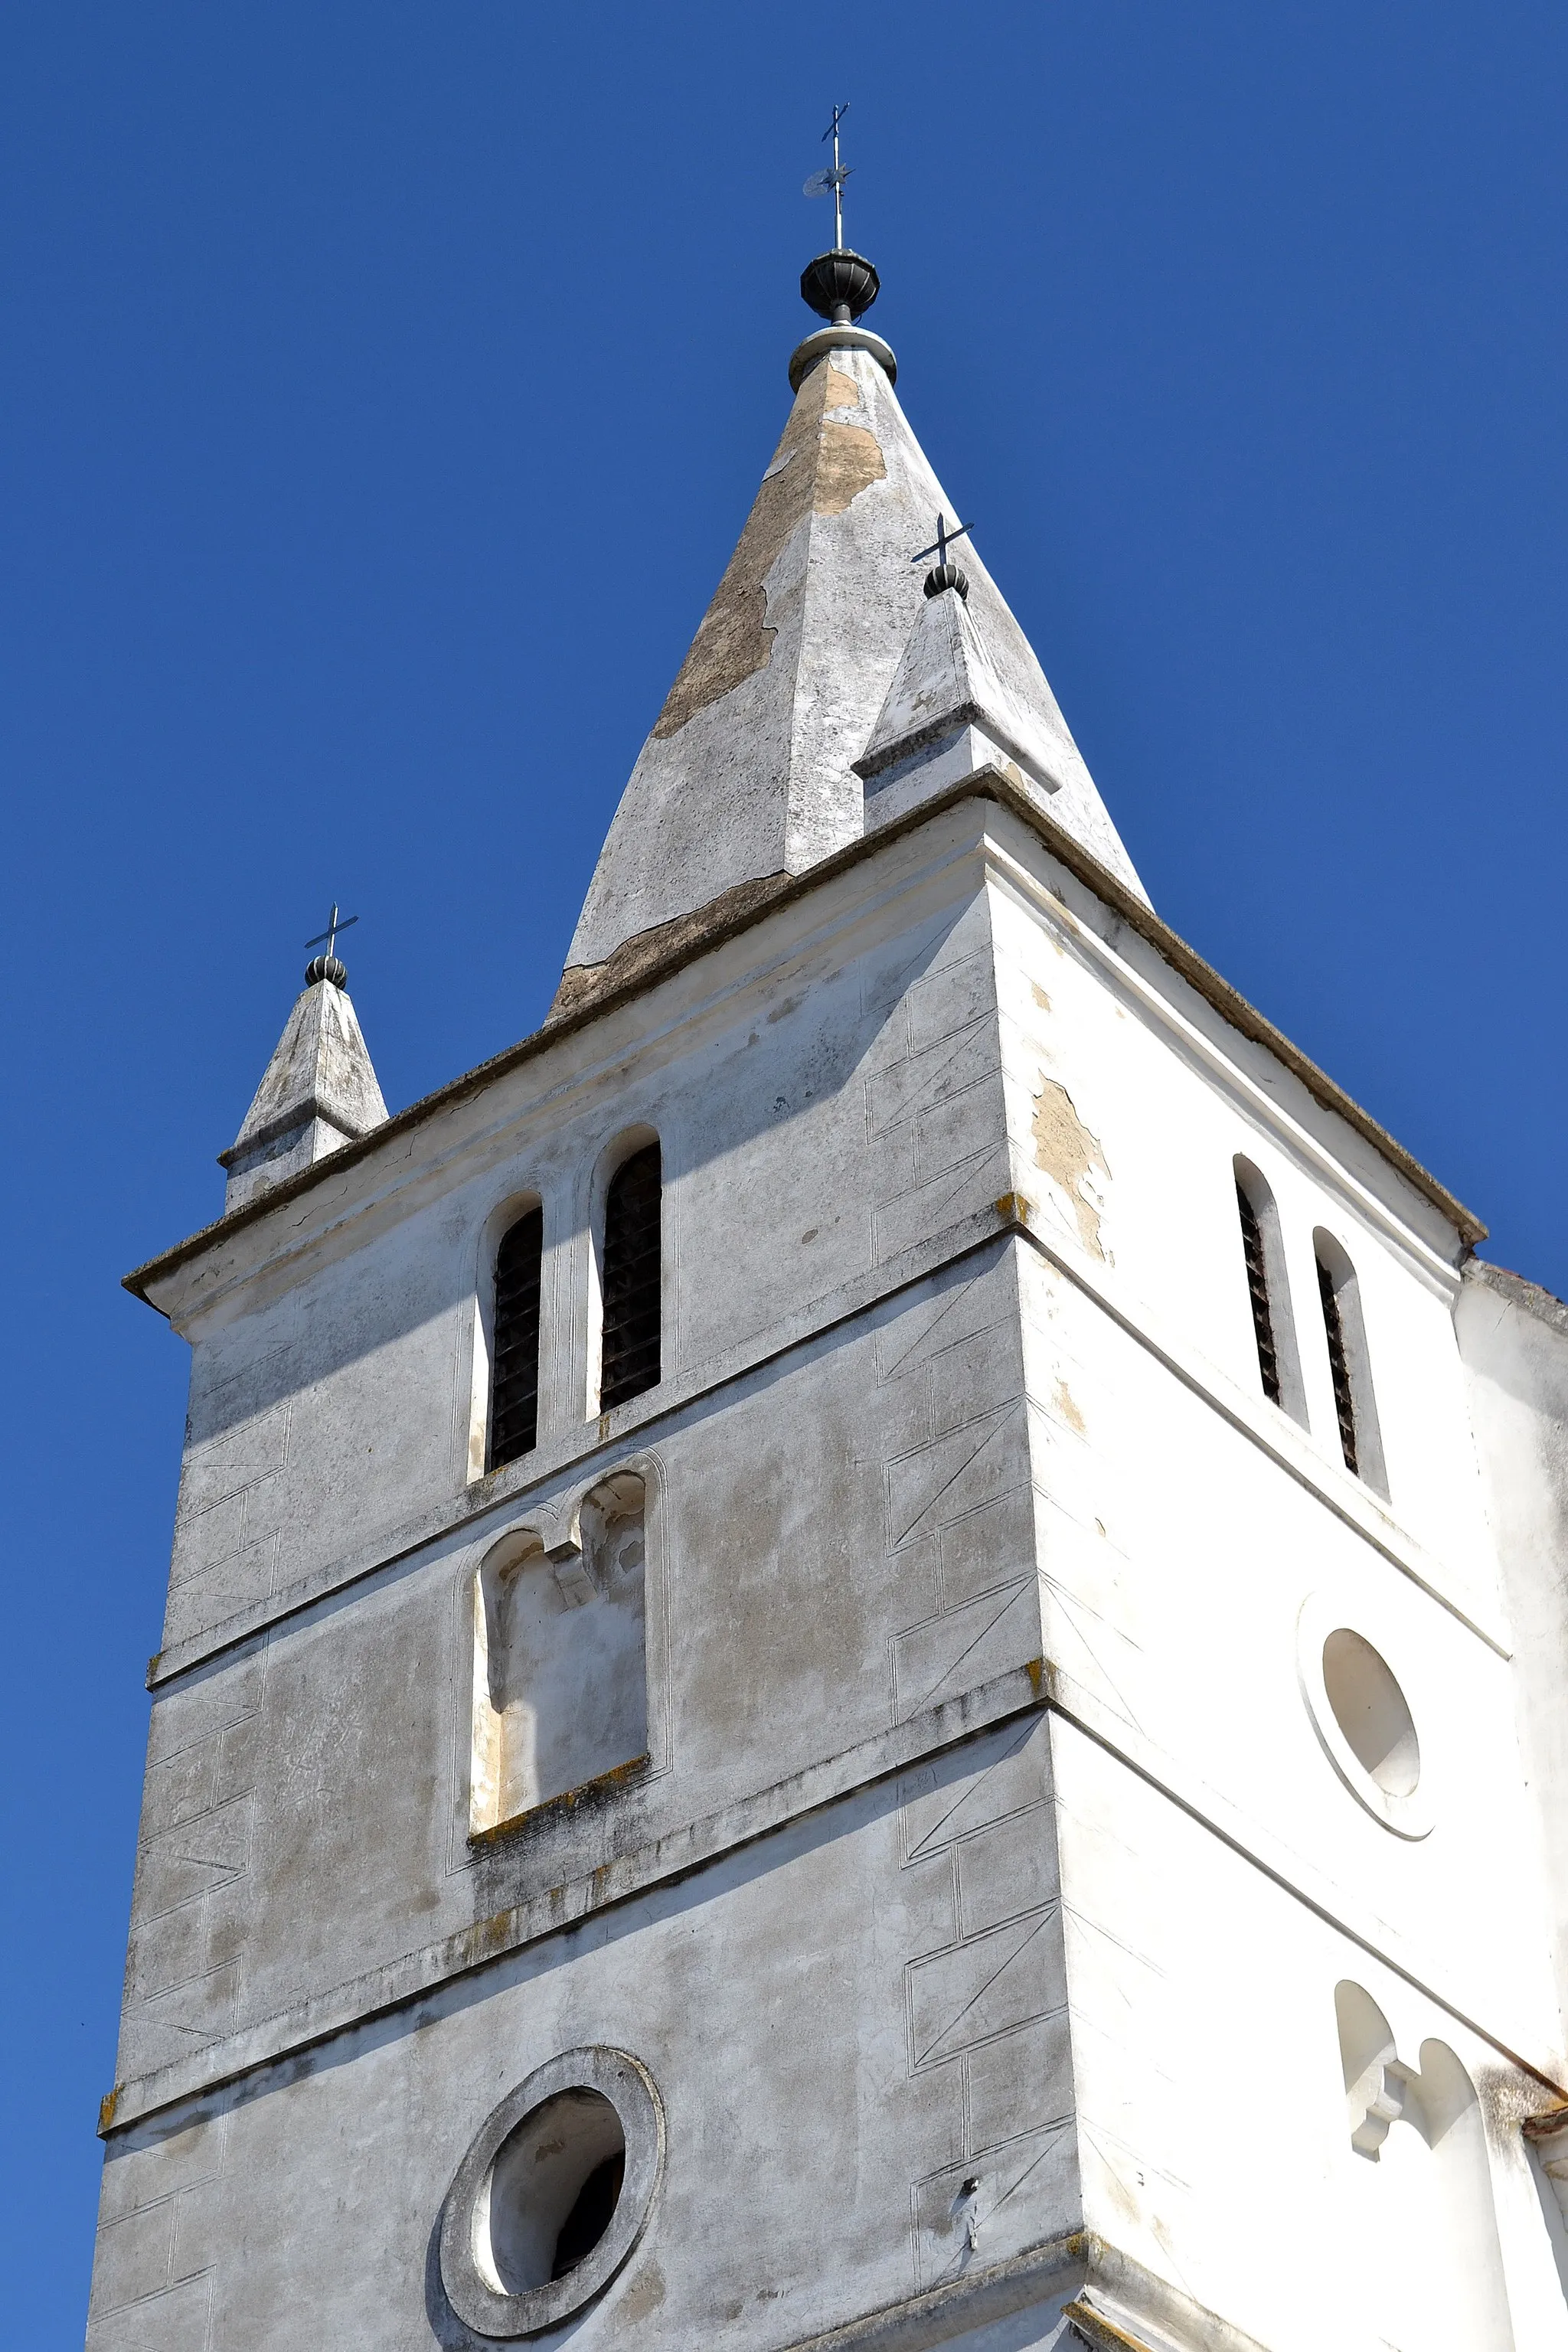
pixel 864 1649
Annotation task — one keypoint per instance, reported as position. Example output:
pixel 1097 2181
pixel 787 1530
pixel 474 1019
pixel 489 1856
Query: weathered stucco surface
pixel 923 1942
pixel 822 463
pixel 748 769
pixel 1514 1339
pixel 914 1740
pixel 1070 1157
pixel 984 1834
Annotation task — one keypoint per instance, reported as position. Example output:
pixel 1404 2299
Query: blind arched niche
pixel 561 1659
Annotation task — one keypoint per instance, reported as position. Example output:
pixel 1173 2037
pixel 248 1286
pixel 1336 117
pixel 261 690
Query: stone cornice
pixel 1036 1687
pixel 592 1448
pixel 637 968
pixel 1116 2305
pixel 659 1863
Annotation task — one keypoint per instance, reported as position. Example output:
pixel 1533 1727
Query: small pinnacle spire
pixel 319 1090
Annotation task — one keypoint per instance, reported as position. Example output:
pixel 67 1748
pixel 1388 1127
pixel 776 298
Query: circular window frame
pixel 628 2086
pixel 1412 1817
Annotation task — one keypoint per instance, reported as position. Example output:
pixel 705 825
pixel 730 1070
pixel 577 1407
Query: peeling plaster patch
pixel 850 458
pixel 1041 998
pixel 734 640
pixel 645 2294
pixel 1067 1406
pixel 1066 1153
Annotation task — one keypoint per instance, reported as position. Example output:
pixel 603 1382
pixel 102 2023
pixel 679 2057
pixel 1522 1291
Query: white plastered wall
pixel 1215 2134
pixel 1514 1338
pixel 1167 1096
pixel 835 1093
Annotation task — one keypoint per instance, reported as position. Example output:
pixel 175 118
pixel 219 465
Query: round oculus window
pixel 1370 1709
pixel 553 2194
pixel 1363 1720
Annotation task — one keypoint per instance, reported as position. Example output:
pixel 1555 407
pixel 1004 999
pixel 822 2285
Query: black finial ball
pixel 943 576
pixel 326 967
pixel 839 285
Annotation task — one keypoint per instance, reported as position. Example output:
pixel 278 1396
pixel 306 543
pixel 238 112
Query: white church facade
pixel 864 1649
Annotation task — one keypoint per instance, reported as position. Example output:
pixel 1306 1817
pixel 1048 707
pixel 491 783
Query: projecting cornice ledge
pixel 653 957
pixel 650 1417
pixel 1020 1691
pixel 1109 2301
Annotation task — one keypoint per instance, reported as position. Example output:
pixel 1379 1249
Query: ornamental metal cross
pixel 339 923
pixel 822 183
pixel 943 542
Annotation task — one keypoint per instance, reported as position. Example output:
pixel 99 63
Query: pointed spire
pixel 319 1092
pixel 751 771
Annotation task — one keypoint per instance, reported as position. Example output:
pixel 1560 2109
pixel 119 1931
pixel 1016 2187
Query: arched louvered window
pixel 1257 1291
pixel 1350 1365
pixel 1268 1293
pixel 514 1383
pixel 629 1362
pixel 1339 1365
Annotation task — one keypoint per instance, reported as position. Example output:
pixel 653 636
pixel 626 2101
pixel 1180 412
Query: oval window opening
pixel 1370 1709
pixel 551 2192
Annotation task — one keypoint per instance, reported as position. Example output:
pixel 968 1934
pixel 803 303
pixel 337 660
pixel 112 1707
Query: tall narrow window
pixel 1268 1293
pixel 1349 1366
pixel 630 1357
pixel 1257 1291
pixel 514 1387
pixel 1339 1365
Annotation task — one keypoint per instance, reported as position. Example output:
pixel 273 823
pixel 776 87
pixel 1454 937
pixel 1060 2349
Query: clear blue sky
pixel 383 388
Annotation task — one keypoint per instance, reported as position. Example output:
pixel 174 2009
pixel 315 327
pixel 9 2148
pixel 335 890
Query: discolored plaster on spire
pixel 750 771
pixel 821 465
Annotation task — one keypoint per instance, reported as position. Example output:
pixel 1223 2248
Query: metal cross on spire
pixel 338 923
pixel 330 937
pixel 943 542
pixel 831 182
pixel 944 572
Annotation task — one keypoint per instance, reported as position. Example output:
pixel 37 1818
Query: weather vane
pixel 945 573
pixel 831 182
pixel 338 923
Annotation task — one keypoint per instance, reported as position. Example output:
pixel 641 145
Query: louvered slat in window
pixel 514 1396
pixel 632 1270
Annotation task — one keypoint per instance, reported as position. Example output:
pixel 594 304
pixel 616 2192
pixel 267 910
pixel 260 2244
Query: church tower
pixel 864 1651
